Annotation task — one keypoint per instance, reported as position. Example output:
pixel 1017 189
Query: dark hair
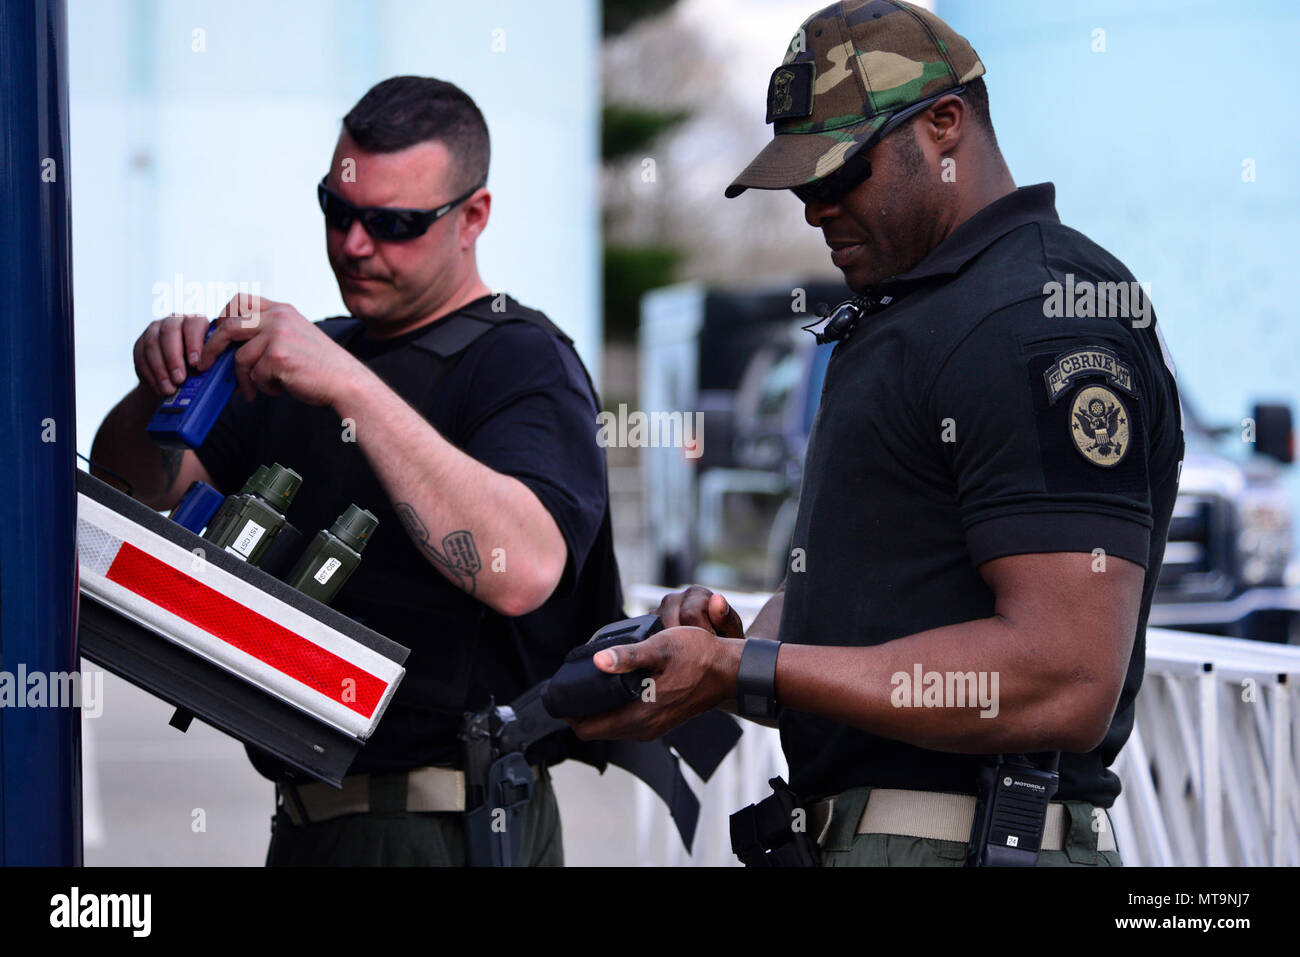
pixel 908 151
pixel 404 110
pixel 977 98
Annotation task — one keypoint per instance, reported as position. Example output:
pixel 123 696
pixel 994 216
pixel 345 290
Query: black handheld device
pixel 840 322
pixel 579 688
pixel 1011 813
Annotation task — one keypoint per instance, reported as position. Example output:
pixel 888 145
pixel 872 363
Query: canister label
pixel 324 573
pixel 247 539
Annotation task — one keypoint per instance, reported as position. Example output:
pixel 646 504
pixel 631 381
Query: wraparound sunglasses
pixel 832 188
pixel 390 224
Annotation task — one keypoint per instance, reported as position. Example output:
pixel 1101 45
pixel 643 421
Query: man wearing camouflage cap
pixel 986 492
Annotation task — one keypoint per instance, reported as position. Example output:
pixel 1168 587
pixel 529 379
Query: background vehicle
pixel 696 346
pixel 1228 565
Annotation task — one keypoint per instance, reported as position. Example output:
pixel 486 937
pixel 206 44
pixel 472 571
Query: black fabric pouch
pixel 579 688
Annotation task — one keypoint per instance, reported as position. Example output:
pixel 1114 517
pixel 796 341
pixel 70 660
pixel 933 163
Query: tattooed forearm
pixel 171 466
pixel 459 555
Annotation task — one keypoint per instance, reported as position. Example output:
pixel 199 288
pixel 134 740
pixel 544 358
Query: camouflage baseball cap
pixel 846 71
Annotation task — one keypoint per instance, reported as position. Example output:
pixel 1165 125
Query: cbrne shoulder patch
pixel 1091 361
pixel 1088 406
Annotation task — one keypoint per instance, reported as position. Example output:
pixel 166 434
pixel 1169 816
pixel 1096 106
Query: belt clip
pixel 764 834
pixel 293 805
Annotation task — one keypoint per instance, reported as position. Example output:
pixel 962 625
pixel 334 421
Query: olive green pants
pixel 409 838
pixel 844 847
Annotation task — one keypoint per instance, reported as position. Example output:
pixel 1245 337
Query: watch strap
pixel 756 679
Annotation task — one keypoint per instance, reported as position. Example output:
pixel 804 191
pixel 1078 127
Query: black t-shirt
pixel 518 400
pixel 975 416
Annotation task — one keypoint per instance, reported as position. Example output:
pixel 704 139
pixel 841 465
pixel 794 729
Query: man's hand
pixel 122 451
pixel 165 351
pixel 282 352
pixel 700 608
pixel 691 670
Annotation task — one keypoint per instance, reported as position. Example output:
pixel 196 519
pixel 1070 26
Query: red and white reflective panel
pixel 223 619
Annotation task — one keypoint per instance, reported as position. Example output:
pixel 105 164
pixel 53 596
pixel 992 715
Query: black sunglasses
pixel 388 223
pixel 832 188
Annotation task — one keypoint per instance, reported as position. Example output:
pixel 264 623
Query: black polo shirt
pixel 976 414
pixel 518 400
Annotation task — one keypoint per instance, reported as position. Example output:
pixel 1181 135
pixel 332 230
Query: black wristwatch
pixel 756 679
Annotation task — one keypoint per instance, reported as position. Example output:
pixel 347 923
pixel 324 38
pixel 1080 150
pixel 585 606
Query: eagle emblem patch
pixel 1099 426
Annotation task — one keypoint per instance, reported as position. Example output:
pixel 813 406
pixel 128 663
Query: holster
pixel 498 787
pixel 502 741
pixel 773 832
pixel 494 831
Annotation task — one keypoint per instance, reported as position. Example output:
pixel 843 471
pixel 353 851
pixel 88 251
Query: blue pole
pixel 40 742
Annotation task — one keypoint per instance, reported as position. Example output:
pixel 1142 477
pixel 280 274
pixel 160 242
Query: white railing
pixel 1209 772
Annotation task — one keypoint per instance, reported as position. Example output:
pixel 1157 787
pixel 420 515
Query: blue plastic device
pixel 184 419
pixel 196 509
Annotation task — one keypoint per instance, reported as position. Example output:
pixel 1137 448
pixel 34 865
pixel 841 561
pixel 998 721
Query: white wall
pixel 204 163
